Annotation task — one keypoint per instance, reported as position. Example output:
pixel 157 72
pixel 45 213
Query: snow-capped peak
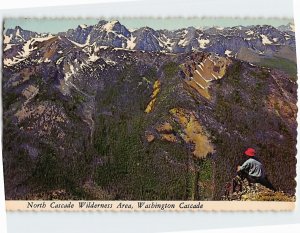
pixel 83 26
pixel 22 54
pixel 18 33
pixel 292 26
pixel 110 25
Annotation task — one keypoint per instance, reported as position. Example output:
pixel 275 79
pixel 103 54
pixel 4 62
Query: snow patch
pixel 169 43
pixel 110 62
pixel 132 29
pixel 131 43
pixel 7 47
pixel 292 26
pixel 69 74
pixel 109 26
pixel 40 39
pixel 228 53
pixel 118 49
pixel 18 33
pixel 59 60
pixel 103 47
pixel 93 57
pixel 88 39
pixel 77 44
pixel 287 36
pixel 7 39
pixel 203 43
pixel 41 60
pixel 72 69
pixel 13 61
pixel 183 42
pixel 22 55
pixel 26 49
pixel 250 32
pixel 265 39
pixel 166 43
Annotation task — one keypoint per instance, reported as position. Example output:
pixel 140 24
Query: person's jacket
pixel 253 167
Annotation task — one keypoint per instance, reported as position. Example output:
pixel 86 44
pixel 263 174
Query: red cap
pixel 250 152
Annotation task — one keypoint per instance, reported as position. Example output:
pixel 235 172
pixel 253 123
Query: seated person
pixel 253 170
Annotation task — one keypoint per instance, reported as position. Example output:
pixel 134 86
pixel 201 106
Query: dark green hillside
pixel 248 121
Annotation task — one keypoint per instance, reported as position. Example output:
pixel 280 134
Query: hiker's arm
pixel 244 167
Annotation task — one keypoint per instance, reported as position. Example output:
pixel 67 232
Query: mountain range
pixel 259 39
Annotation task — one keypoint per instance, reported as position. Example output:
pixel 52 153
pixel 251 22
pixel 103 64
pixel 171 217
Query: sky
pixel 48 25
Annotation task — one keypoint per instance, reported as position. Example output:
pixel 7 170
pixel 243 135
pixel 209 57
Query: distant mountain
pixel 289 28
pixel 18 36
pixel 262 39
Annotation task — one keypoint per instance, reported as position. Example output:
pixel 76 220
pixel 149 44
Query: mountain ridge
pixel 259 38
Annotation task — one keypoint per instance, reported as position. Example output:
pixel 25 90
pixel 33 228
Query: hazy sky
pixel 59 25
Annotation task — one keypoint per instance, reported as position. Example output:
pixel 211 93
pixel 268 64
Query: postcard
pixel 149 114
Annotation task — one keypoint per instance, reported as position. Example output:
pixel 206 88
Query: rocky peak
pixel 83 26
pixel 18 28
pixel 117 27
pixel 102 22
pixel 19 35
pixel 290 27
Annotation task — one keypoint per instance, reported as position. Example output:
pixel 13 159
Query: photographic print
pixel 149 109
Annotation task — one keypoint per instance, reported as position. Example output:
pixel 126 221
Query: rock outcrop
pixel 242 190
